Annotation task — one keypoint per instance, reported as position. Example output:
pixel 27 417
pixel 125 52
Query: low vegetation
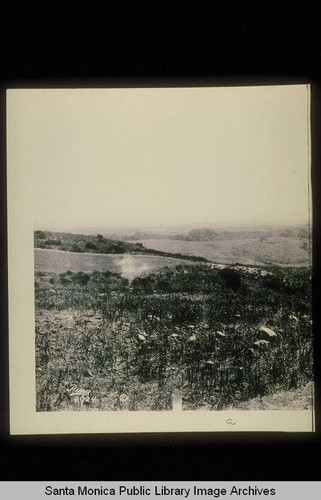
pixel 104 343
pixel 80 243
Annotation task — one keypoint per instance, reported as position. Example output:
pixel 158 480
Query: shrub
pixel 65 277
pixel 40 235
pixel 116 249
pixel 91 246
pixel 231 277
pixel 53 242
pixel 145 284
pixel 81 278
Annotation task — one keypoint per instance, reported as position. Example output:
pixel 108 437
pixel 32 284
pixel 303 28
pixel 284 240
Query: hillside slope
pixel 275 250
pixel 79 243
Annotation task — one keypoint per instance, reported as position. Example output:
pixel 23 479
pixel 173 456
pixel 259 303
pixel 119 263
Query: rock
pixel 262 343
pixel 267 333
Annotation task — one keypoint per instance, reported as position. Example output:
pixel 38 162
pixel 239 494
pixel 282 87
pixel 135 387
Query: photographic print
pixel 160 259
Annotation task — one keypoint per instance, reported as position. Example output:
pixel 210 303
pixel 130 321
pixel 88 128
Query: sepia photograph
pixel 163 237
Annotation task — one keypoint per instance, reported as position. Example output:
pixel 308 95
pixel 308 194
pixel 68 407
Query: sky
pixel 115 158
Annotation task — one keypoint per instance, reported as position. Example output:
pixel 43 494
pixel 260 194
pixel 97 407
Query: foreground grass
pixel 105 344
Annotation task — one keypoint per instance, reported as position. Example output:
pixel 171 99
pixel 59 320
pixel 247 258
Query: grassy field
pixel 188 336
pixel 98 245
pixel 129 266
pixel 287 247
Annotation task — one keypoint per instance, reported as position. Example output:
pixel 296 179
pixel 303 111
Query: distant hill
pixel 284 247
pixel 211 234
pixel 249 246
pixel 70 242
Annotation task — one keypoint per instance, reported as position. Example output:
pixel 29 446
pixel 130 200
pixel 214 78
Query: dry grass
pixel 295 399
pixel 105 344
pixel 271 250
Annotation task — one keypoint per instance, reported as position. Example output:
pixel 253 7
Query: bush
pixel 64 278
pixel 231 277
pixel 40 235
pixel 53 242
pixel 91 246
pixel 273 283
pixel 145 284
pixel 81 278
pixel 116 249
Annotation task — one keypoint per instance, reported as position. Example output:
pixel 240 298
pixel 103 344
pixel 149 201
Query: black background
pixel 111 50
